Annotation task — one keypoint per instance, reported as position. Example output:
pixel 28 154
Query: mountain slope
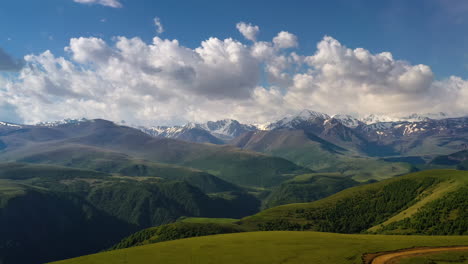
pixel 307 188
pixel 458 159
pixel 215 132
pixel 186 133
pixel 428 137
pixel 80 156
pixel 266 248
pixel 175 231
pixel 55 212
pixel 49 226
pixel 227 162
pixel 357 209
pixel 308 150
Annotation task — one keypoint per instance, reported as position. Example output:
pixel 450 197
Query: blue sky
pixel 106 59
pixel 430 32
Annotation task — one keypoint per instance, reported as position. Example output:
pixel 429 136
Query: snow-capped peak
pixel 62 122
pixel 191 125
pixel 308 114
pixel 226 129
pixel 347 120
pixel 292 120
pixel 9 124
pixel 424 117
pixel 372 118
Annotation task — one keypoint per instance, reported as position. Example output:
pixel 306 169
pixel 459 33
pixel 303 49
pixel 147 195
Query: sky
pixel 170 62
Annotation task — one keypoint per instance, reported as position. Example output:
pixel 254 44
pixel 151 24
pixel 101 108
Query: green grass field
pixel 438 258
pixel 266 247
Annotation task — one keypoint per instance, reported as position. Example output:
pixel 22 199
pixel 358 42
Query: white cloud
pixel 109 3
pixel 86 50
pixel 164 82
pixel 159 26
pixel 249 31
pixel 285 40
pixel 345 80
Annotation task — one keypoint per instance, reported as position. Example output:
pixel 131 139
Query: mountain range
pixel 373 135
pixel 217 132
pixel 341 142
pixel 315 140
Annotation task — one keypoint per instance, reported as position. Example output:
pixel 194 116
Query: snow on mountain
pixel 9 124
pixel 373 119
pixel 226 129
pixel 262 126
pixel 218 132
pixel 308 114
pixel 163 131
pixel 294 120
pixel 348 120
pixel 63 122
pixel 424 117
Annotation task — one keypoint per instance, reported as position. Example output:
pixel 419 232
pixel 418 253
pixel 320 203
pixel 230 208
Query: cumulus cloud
pixel 109 3
pixel 285 40
pixel 8 63
pixel 249 31
pixel 164 82
pixel 159 26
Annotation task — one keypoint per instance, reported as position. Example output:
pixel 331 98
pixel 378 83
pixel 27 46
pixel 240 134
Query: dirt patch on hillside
pixel 392 257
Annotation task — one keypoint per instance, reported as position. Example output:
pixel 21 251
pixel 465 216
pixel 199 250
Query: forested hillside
pixel 55 212
pixel 421 200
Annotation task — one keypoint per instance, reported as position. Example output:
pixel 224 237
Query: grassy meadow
pixel 438 258
pixel 266 248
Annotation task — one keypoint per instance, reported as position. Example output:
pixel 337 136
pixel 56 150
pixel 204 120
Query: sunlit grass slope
pixel 265 247
pixel 437 194
pixel 438 258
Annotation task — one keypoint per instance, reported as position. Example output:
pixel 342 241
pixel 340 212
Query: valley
pixel 306 174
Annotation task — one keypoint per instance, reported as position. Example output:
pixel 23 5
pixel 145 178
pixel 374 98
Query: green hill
pixel 175 231
pixel 308 188
pixel 429 202
pixel 101 160
pixel 55 212
pixel 266 247
pixel 105 146
pixel 457 160
pixel 50 225
pixel 315 153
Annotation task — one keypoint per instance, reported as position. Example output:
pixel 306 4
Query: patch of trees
pixel 282 224
pixel 362 211
pixel 301 192
pixel 356 213
pixel 176 231
pixel 445 216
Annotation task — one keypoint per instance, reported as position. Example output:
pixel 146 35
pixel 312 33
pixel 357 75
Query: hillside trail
pixel 392 257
